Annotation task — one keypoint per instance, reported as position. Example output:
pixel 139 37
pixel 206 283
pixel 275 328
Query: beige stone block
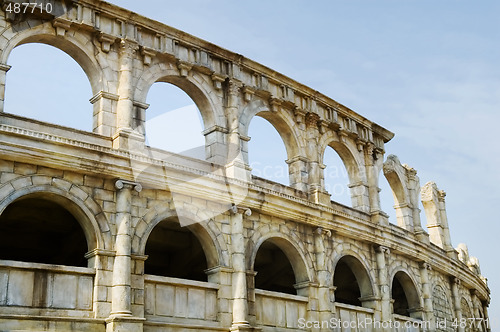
pixel 73 177
pixel 41 180
pixel 180 302
pixel 4 279
pixel 149 299
pixel 85 292
pixel 6 177
pixel 211 305
pixel 268 311
pixel 196 303
pixel 6 166
pixel 92 181
pixel 280 313
pixel 64 291
pixel 50 172
pixel 78 193
pixel 105 195
pixel 22 183
pixel 20 289
pixel 24 169
pixel 64 185
pixel 164 304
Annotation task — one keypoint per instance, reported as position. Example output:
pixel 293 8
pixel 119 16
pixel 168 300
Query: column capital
pixel 425 266
pixel 321 231
pixel 239 209
pixel 382 249
pixel 455 281
pixel 120 184
pixel 128 47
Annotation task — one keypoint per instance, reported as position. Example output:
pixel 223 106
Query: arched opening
pixel 351 281
pixel 336 178
pixel 46 84
pixel 406 301
pixel 173 121
pixel 40 230
pixel 274 270
pixel 387 199
pixel 400 303
pixel 266 152
pixel 175 251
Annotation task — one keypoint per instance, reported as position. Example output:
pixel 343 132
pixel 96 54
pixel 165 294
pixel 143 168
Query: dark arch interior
pixel 399 296
pixel 41 231
pixel 347 287
pixel 274 271
pixel 174 251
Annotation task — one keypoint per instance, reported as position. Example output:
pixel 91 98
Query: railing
pixel 180 298
pixel 353 318
pixel 278 309
pixel 44 286
pixel 406 324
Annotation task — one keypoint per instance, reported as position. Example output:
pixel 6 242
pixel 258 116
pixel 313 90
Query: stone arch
pixel 360 269
pixel 292 247
pixel 281 121
pixel 44 34
pixel 394 173
pixel 411 292
pixel 347 151
pixel 442 307
pixel 213 246
pixel 87 212
pixel 466 308
pixel 194 85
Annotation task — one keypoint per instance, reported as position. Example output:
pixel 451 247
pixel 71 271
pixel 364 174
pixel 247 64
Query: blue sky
pixel 426 70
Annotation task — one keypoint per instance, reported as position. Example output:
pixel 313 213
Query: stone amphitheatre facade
pixel 99 232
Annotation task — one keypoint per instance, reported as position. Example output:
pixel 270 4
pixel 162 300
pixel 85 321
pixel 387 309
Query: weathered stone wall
pixel 119 190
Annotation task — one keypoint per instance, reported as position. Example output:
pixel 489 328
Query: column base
pixel 120 323
pixel 244 328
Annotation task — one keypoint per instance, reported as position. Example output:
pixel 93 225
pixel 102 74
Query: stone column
pixel 427 295
pixel 378 216
pixel 4 68
pixel 126 137
pixel 414 193
pixel 457 307
pixel 235 165
pixel 324 277
pixel 316 188
pixel 239 276
pixel 121 314
pixel 385 288
pixel 437 222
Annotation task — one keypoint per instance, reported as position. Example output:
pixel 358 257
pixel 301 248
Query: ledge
pixel 282 296
pixel 180 282
pixel 47 267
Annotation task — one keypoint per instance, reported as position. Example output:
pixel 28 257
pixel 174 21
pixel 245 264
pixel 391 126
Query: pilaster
pixel 121 318
pixel 383 282
pixel 126 135
pixel 4 68
pixel 427 294
pixel 239 275
pixel 457 307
